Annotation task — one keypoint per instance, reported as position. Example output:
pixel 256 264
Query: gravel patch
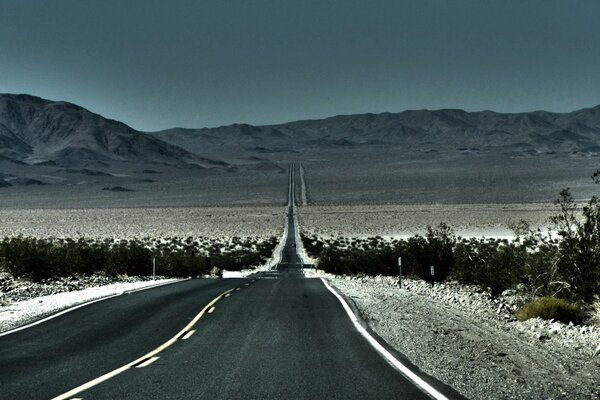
pixel 23 302
pixel 472 342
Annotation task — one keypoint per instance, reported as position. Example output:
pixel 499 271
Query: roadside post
pixel 400 272
pixel 432 270
pixel 154 268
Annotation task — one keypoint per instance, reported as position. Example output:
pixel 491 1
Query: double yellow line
pixel 145 358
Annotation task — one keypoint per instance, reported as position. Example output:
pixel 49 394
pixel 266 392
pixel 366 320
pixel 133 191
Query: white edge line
pixel 404 370
pixel 58 314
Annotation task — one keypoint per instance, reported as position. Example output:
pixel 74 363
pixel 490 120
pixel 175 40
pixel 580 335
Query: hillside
pixel 57 153
pixel 523 134
pixel 34 131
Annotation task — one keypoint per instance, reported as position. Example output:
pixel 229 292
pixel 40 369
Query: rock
pixel 508 292
pixel 597 351
pixel 554 330
pixel 543 337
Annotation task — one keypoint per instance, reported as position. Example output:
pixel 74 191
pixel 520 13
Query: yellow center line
pixel 188 335
pixel 147 362
pixel 107 376
pixel 211 310
pixel 228 294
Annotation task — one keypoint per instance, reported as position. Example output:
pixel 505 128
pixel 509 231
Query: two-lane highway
pixel 275 335
pixel 48 359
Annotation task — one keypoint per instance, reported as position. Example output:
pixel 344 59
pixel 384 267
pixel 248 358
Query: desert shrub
pixel 375 256
pixel 38 259
pixel 25 257
pixel 129 258
pixel 550 308
pixel 568 267
pixel 495 264
pixel 595 312
pixel 439 252
pixel 578 261
pixel 180 264
pixel 312 245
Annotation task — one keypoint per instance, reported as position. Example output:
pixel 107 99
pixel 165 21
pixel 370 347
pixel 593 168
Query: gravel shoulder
pixel 470 341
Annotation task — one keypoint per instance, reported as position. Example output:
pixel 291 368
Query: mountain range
pixel 55 142
pixel 520 134
pixel 34 130
pixel 37 131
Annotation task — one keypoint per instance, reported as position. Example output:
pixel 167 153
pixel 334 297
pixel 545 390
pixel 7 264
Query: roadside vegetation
pixel 560 271
pixel 39 259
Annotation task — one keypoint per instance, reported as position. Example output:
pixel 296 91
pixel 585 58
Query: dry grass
pixel 549 308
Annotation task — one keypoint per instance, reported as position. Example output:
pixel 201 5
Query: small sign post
pixel 400 272
pixel 432 269
pixel 153 268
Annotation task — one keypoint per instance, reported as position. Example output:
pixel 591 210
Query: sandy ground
pixel 463 337
pixel 396 221
pixel 127 223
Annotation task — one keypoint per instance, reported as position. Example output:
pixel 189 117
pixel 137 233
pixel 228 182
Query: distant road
pixel 276 335
pixel 303 198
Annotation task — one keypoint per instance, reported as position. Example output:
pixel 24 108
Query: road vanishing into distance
pixel 275 335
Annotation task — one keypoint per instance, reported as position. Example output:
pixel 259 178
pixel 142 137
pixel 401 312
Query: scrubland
pixel 129 223
pixel 401 221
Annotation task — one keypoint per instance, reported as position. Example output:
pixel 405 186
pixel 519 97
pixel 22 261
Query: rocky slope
pixel 38 131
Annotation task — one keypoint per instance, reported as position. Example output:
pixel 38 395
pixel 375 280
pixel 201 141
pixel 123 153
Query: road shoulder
pixel 468 351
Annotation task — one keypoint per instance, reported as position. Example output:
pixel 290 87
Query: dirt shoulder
pixel 470 341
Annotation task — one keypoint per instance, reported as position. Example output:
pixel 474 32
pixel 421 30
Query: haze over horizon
pixel 187 64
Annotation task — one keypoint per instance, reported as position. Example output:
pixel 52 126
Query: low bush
pixel 376 256
pixel 39 259
pixel 595 312
pixel 550 308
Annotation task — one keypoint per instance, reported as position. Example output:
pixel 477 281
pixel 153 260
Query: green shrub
pixel 38 259
pixel 550 308
pixel 491 263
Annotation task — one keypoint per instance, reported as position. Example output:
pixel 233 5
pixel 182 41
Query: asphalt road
pixel 276 335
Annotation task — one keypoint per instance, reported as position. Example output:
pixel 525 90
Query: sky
pixel 205 63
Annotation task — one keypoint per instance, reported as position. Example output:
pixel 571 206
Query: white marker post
pixel 432 268
pixel 400 272
pixel 153 268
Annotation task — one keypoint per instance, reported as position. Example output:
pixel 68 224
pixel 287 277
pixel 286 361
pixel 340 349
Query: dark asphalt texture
pixel 280 336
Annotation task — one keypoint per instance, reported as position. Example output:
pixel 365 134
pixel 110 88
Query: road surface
pixel 276 335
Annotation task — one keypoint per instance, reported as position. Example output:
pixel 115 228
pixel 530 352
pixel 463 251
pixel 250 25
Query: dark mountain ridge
pixel 66 138
pixel 34 130
pixel 537 132
pixel 56 152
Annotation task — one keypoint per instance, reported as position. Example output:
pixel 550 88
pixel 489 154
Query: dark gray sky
pixel 159 64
